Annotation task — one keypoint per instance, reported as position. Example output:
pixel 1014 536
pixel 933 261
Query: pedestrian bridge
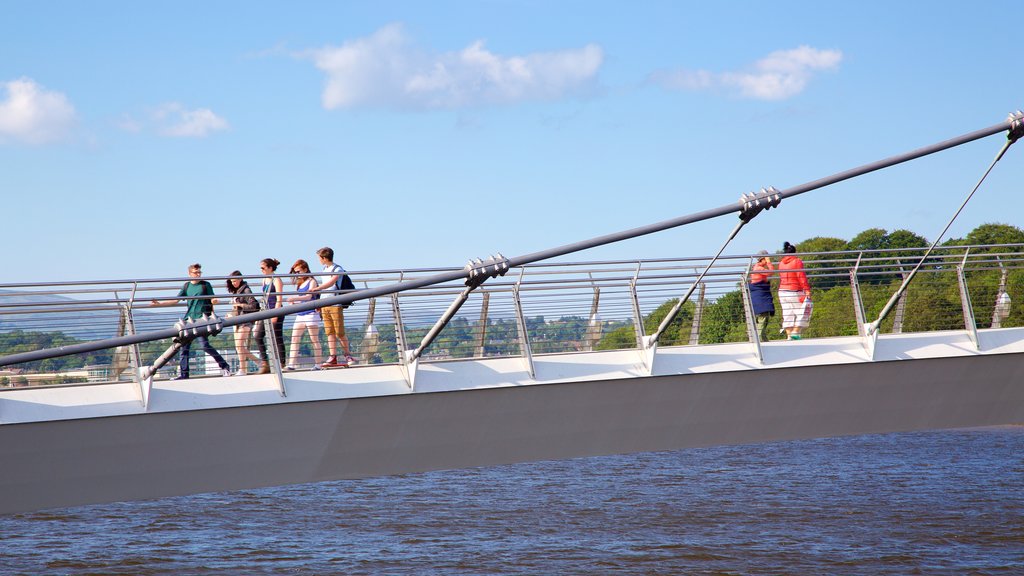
pixel 546 361
pixel 508 360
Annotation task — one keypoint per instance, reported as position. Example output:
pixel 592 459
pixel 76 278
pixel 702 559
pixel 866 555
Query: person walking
pixel 761 293
pixel 794 293
pixel 305 322
pixel 272 289
pixel 244 303
pixel 198 293
pixel 334 317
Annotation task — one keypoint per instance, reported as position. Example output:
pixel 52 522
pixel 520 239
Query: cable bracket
pixel 753 203
pixel 189 329
pixel 481 270
pixel 1016 120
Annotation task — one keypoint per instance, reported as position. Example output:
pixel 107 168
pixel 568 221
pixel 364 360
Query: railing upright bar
pixel 868 338
pixel 408 367
pixel 638 319
pixel 482 325
pixel 145 384
pixel 698 315
pixel 274 355
pixel 1001 309
pixel 748 315
pixel 524 336
pixel 371 337
pixel 592 335
pixel 965 302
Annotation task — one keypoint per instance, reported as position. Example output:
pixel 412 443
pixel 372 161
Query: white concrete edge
pixel 22 405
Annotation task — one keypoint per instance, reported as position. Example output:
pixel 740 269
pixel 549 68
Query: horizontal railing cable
pixel 465 273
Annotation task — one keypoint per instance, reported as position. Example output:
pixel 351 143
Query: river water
pixel 945 502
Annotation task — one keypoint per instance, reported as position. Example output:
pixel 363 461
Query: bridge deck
pixel 501 384
pixel 123 398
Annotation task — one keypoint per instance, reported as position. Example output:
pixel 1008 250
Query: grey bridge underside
pixel 74 462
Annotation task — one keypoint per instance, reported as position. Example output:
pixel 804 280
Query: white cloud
pixel 32 114
pixel 782 74
pixel 174 120
pixel 385 69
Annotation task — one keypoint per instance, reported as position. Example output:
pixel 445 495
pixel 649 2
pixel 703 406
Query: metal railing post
pixel 965 302
pixel 868 338
pixel 403 359
pixel 698 314
pixel 748 314
pixel 638 319
pixel 1001 309
pixel 145 384
pixel 274 355
pixel 371 337
pixel 592 335
pixel 481 338
pixel 524 336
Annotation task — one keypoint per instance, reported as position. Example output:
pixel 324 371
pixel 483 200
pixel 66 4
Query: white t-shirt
pixel 335 270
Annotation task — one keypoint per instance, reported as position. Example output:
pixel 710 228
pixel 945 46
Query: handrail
pixel 1011 126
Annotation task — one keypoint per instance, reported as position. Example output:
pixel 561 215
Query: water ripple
pixel 947 502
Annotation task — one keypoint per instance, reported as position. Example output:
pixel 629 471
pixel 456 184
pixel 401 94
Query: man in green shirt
pixel 198 293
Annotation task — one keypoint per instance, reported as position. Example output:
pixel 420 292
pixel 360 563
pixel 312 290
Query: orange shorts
pixel 334 320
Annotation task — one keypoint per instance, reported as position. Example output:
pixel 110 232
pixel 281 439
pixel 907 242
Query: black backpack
pixel 344 283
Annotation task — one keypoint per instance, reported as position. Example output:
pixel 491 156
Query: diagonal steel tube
pixel 516 261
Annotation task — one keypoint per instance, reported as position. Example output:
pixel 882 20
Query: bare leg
pixel 242 334
pixel 314 337
pixel 293 355
pixel 240 349
pixel 332 344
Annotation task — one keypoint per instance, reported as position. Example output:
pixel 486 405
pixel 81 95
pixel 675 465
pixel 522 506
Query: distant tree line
pixel 932 303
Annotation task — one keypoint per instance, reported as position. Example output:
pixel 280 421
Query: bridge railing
pixel 539 309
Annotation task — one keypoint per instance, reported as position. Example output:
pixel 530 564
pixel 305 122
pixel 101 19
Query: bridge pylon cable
pixel 1016 131
pixel 85 347
pixel 750 206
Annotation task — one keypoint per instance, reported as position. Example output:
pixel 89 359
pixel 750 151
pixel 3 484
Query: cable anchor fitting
pixel 481 270
pixel 753 203
pixel 189 329
pixel 1016 120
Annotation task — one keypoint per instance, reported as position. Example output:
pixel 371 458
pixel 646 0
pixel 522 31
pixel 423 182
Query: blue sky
pixel 137 138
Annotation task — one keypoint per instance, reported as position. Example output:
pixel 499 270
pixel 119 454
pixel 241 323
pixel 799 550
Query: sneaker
pixel 241 373
pixel 331 361
pixel 794 336
pixel 225 372
pixel 316 367
pixel 349 359
pixel 330 364
pixel 290 368
pixel 184 377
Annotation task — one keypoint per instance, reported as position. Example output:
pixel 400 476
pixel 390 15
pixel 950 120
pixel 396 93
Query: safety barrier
pixel 544 308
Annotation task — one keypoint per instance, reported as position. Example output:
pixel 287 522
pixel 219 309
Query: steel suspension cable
pixel 1011 138
pixel 443 277
pixel 653 338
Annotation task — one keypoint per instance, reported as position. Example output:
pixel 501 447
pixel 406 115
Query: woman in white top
pixel 305 322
